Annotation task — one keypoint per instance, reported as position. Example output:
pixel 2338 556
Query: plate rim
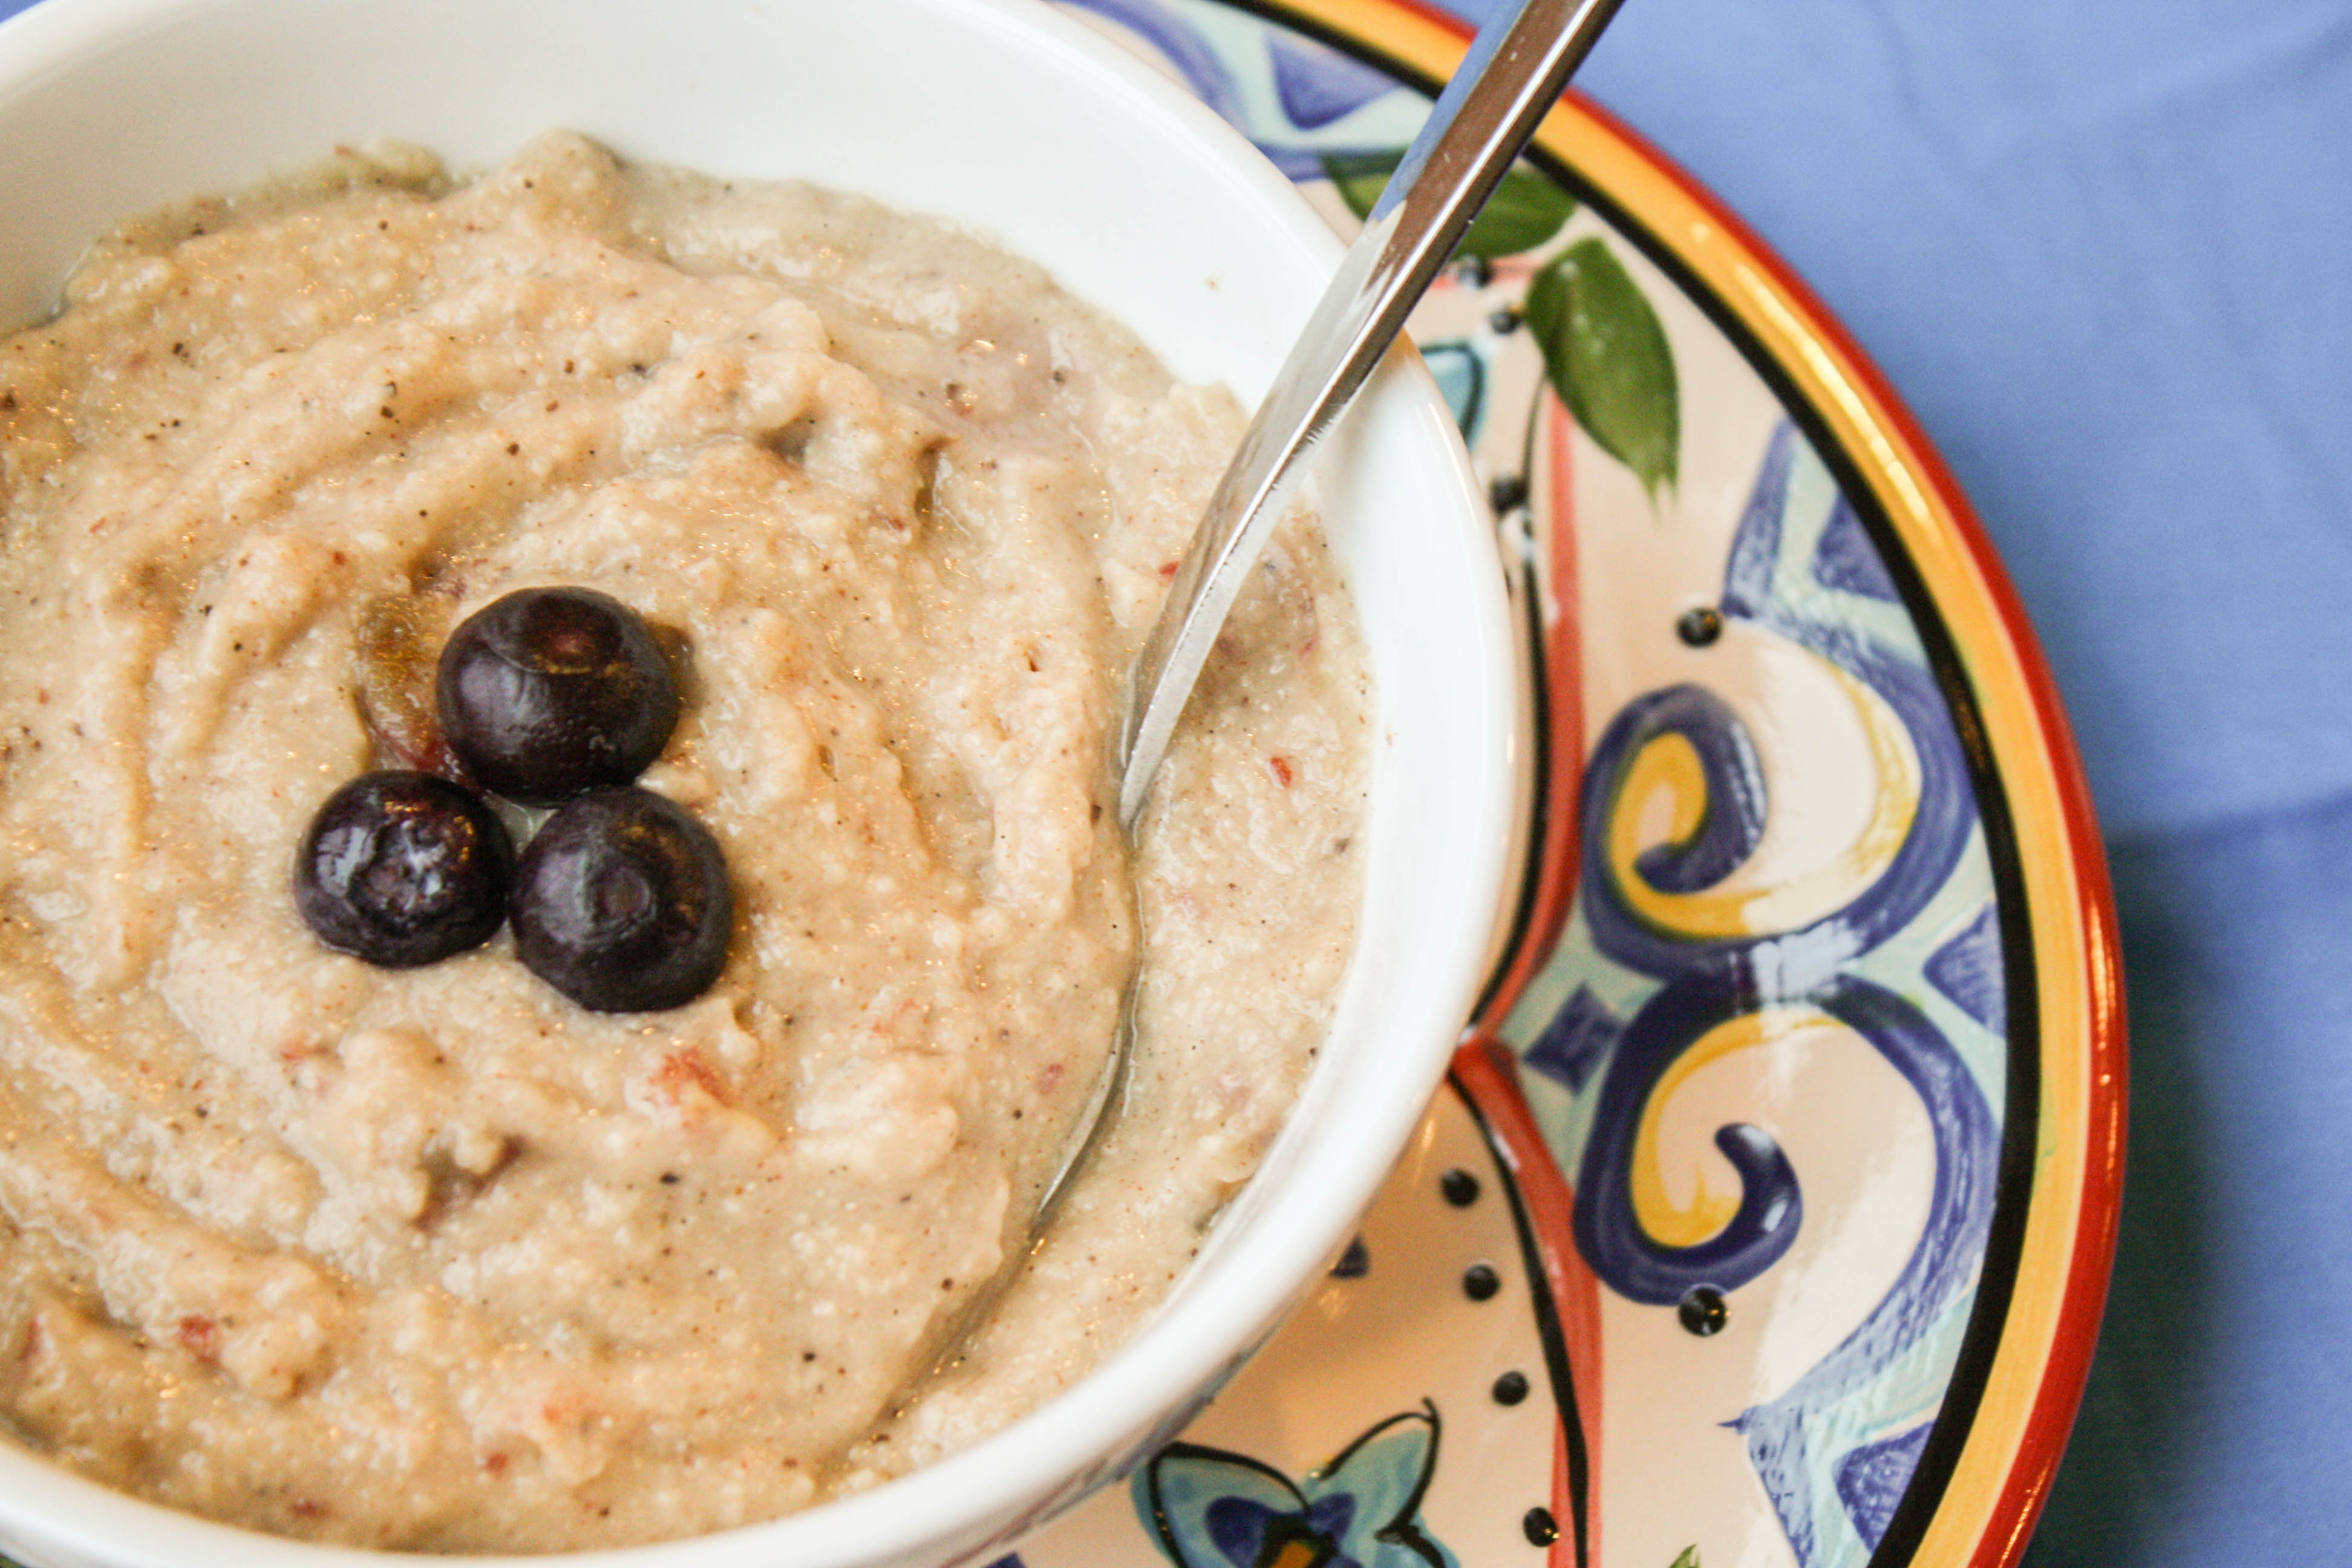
pixel 2048 1326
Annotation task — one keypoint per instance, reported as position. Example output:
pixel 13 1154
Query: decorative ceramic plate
pixel 1768 1217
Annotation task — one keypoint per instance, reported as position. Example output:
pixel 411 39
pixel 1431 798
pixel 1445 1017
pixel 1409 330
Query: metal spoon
pixel 1511 77
pixel 1508 81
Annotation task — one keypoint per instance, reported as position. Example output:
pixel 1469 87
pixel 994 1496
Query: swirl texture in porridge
pixel 435 1258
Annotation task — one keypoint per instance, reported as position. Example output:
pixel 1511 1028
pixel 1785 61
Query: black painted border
pixel 1548 1327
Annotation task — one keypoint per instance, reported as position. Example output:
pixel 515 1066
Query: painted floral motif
pixel 1712 931
pixel 1211 1509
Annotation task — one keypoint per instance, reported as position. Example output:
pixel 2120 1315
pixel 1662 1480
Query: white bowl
pixel 1021 123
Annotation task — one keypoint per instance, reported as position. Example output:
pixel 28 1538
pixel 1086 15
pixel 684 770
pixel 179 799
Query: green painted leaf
pixel 1362 176
pixel 1689 1559
pixel 1608 358
pixel 1525 210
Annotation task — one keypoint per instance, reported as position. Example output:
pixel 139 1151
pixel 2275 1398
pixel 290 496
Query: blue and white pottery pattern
pixel 1766 1045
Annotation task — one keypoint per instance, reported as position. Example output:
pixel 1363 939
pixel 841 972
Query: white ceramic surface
pixel 1001 114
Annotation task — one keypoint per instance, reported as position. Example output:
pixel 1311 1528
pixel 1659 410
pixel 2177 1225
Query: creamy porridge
pixel 434 1258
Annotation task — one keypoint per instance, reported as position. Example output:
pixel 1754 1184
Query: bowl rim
pixel 1178 1353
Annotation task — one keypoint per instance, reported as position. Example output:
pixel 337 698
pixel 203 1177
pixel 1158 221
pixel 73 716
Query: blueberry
pixel 550 691
pixel 402 868
pixel 621 902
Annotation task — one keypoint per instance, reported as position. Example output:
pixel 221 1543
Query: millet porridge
pixel 433 1258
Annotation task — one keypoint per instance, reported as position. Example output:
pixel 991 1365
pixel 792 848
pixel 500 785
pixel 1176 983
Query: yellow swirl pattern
pixel 1671 764
pixel 1687 1224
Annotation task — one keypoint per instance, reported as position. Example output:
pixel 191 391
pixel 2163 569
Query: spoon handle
pixel 1508 81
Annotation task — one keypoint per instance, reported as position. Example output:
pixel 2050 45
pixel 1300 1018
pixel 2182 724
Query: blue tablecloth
pixel 2103 249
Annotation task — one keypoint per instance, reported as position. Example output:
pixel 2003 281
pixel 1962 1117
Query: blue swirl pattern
pixel 1939 1276
pixel 1780 963
pixel 1709 980
pixel 1608 1231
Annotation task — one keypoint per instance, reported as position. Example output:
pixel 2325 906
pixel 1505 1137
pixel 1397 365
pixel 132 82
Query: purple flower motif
pixel 1318 84
pixel 1178 43
pixel 1314 85
pixel 1211 1509
pixel 1248 1532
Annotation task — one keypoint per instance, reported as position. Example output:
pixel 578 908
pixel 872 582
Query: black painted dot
pixel 1542 1528
pixel 1504 320
pixel 1354 1263
pixel 1508 493
pixel 1479 1282
pixel 1703 1310
pixel 1460 1187
pixel 1699 626
pixel 1510 1388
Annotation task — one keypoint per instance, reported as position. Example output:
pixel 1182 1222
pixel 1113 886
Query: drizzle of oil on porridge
pixel 434 1259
